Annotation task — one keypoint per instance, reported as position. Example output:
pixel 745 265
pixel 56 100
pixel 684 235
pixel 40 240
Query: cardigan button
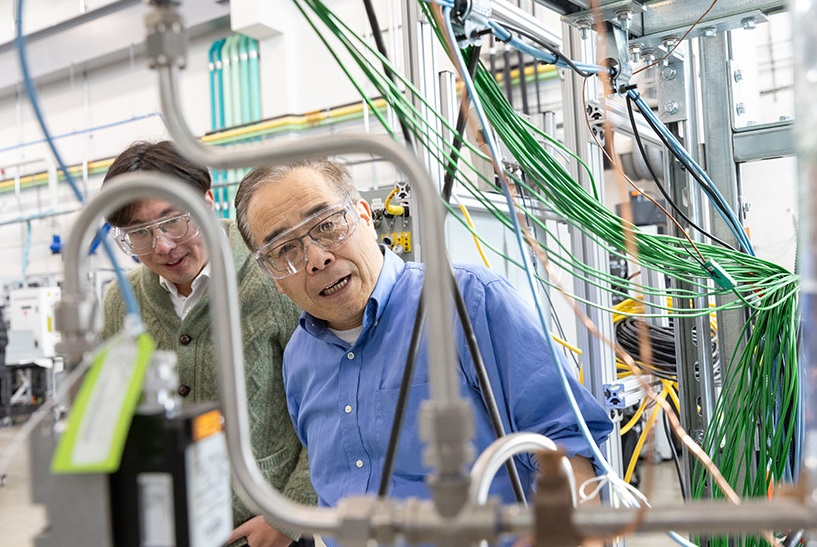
pixel 185 339
pixel 184 390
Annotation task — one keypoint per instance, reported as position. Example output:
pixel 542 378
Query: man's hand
pixel 260 534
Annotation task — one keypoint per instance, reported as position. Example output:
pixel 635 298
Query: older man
pixel 314 234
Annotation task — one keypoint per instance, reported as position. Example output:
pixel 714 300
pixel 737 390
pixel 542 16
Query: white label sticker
pixel 104 406
pixel 156 510
pixel 209 504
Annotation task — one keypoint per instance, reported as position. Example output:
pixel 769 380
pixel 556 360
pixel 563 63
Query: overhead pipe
pixel 255 80
pixel 220 177
pixel 235 79
pixel 244 78
pixel 214 66
pixel 226 76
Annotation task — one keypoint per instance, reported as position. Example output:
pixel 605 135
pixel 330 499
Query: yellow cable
pixel 396 210
pixel 566 344
pixel 642 439
pixel 636 417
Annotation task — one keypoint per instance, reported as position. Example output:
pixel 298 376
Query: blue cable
pixel 131 305
pixel 546 57
pixel 26 249
pixel 709 187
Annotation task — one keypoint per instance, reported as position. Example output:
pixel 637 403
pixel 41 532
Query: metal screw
pixel 669 41
pixel 635 53
pixel 710 32
pixel 624 16
pixel 648 55
pixel 584 28
pixel 670 107
pixel 669 72
pixel 749 23
pixel 740 109
pixel 738 75
pixel 746 207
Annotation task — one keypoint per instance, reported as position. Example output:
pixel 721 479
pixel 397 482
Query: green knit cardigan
pixel 268 320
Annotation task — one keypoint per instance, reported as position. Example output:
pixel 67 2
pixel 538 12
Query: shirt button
pixel 359 463
pixel 348 409
pixel 185 339
pixel 184 390
pixel 350 355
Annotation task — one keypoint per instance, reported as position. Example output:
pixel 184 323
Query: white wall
pixel 298 76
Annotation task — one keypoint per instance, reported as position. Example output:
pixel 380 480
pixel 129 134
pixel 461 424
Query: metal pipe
pixel 494 457
pixel 701 517
pixel 226 320
pixel 804 17
pixel 505 12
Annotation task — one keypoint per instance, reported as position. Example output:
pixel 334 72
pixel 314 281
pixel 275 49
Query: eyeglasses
pixel 140 240
pixel 329 228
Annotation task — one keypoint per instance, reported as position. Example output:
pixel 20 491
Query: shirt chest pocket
pixel 409 458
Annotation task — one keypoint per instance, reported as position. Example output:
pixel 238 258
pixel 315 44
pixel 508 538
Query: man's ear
pixel 210 198
pixel 364 210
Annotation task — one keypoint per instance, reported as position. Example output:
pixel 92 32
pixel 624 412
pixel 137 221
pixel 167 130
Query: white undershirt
pixel 183 304
pixel 349 336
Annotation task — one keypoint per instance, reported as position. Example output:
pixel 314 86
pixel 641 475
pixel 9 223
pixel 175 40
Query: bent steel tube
pixel 225 318
pixel 494 457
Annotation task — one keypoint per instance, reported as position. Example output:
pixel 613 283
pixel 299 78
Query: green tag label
pixel 101 415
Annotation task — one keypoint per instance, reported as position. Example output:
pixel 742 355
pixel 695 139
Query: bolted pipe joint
pixel 553 503
pixel 447 430
pixel 75 317
pixel 166 40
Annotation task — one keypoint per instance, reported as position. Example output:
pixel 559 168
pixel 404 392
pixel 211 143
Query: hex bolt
pixel 738 75
pixel 746 207
pixel 669 41
pixel 584 28
pixel 669 72
pixel 740 109
pixel 671 107
pixel 710 32
pixel 750 23
pixel 635 53
pixel 624 16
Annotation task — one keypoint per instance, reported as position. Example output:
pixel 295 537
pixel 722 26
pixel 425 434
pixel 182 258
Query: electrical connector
pixel 719 275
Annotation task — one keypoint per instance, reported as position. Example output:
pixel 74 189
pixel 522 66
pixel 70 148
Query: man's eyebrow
pixel 308 213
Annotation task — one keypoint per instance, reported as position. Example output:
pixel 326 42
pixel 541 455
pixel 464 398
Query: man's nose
pixel 162 243
pixel 317 258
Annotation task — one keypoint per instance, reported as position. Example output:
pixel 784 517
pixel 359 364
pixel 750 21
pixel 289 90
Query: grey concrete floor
pixel 20 520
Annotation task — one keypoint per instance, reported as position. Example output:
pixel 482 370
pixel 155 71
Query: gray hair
pixel 337 174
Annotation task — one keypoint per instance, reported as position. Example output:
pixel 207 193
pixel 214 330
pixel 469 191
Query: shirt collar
pixel 199 281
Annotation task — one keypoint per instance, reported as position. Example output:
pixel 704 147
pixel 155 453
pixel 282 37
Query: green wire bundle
pixel 753 436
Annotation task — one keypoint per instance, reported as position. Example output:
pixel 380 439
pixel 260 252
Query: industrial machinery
pixel 708 265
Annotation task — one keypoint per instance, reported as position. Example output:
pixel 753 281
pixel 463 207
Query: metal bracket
pixel 671 88
pixel 618 13
pixel 710 28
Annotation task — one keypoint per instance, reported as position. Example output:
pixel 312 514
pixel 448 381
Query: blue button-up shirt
pixel 342 398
